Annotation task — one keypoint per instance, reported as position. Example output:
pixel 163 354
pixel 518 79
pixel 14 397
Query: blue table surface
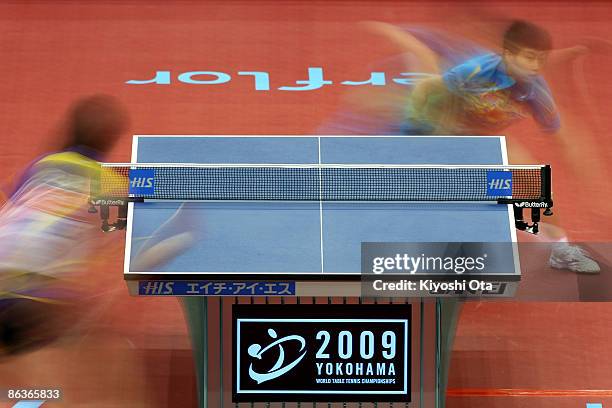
pixel 313 237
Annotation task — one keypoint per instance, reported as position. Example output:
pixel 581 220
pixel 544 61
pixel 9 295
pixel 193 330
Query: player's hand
pixel 595 45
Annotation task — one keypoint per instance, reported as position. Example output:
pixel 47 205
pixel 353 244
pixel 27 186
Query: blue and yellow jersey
pixel 491 100
pixel 45 225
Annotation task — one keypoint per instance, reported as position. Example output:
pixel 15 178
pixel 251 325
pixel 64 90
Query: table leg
pixel 196 313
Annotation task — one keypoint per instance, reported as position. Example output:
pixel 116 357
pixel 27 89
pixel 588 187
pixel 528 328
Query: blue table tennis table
pixel 316 245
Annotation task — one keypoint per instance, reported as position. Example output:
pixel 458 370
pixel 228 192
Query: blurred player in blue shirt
pixel 489 92
pixel 485 94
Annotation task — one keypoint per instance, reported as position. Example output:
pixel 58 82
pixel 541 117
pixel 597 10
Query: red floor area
pixel 55 52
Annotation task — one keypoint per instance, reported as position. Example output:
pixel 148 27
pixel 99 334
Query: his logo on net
pixel 276 348
pixel 499 183
pixel 142 181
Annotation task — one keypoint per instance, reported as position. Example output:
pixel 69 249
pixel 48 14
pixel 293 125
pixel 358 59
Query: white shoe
pixel 573 258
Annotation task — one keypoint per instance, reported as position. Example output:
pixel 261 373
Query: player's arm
pixel 433 105
pixel 564 55
pixel 406 42
pixel 425 88
pixel 424 92
pixel 587 45
pixel 543 107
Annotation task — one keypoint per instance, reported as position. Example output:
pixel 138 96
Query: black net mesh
pixel 316 183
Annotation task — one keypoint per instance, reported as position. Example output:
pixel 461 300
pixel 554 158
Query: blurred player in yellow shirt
pixel 47 234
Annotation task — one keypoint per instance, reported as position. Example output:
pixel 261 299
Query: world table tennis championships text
pixel 406 264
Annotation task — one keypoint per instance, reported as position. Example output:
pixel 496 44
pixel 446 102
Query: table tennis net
pixel 320 182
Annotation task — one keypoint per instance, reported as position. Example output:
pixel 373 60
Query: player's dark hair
pixel 523 34
pixel 96 122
